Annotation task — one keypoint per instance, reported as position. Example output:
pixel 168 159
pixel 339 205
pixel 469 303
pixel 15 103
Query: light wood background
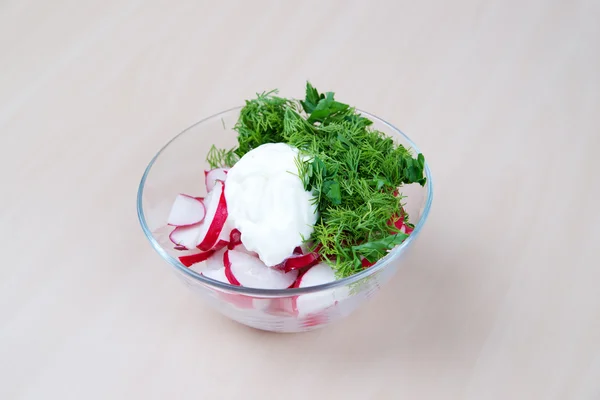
pixel 500 298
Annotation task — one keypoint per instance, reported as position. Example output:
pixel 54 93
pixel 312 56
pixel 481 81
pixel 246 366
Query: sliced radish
pixel 230 277
pixel 211 177
pixel 192 259
pixel 216 260
pixel 396 221
pixel 298 261
pixel 249 271
pixel 316 302
pixel 179 247
pixel 318 275
pixel 216 274
pixel 186 211
pixel 235 238
pixel 216 216
pixel 366 263
pixel 186 236
pixel 214 267
pixel 224 236
pixel 240 247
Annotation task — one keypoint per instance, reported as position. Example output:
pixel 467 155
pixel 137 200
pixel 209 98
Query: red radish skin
pixel 366 263
pixel 192 259
pixel 221 244
pixel 225 235
pixel 179 247
pixel 186 211
pixel 296 262
pixel 230 277
pixel 186 236
pixel 235 238
pixel 216 217
pixel 397 222
pixel 211 177
pixel 250 271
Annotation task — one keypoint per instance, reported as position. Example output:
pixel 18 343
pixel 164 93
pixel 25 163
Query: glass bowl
pixel 179 168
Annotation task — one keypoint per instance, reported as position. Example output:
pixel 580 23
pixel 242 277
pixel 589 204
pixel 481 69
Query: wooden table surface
pixel 500 298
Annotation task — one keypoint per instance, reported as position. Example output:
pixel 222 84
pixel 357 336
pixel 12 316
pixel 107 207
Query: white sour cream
pixel 267 202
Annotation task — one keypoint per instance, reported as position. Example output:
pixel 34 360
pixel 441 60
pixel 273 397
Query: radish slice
pixel 216 260
pixel 249 271
pixel 240 247
pixel 316 302
pixel 216 216
pixel 298 261
pixel 216 274
pixel 230 277
pixel 186 236
pixel 179 247
pixel 214 267
pixel 366 263
pixel 211 177
pixel 235 238
pixel 318 275
pixel 397 222
pixel 221 244
pixel 225 235
pixel 195 258
pixel 186 211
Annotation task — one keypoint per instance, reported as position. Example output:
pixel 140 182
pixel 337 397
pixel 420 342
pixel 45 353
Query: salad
pixel 310 194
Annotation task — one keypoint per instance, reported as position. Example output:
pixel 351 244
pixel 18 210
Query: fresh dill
pixel 353 171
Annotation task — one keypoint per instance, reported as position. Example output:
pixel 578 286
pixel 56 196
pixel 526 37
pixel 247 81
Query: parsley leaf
pixel 312 98
pixel 374 250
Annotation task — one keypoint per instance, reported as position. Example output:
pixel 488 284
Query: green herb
pixel 218 158
pixel 352 170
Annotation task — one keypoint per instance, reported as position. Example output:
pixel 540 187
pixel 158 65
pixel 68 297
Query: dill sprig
pixel 353 171
pixel 221 157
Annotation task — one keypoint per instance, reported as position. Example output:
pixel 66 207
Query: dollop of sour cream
pixel 267 203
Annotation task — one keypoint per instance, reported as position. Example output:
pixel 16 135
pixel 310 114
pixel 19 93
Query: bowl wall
pixel 179 168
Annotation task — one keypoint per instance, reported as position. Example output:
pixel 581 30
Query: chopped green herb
pixel 352 170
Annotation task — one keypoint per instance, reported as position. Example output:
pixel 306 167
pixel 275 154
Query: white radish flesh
pixel 216 260
pixel 317 275
pixel 186 236
pixel 211 177
pixel 214 267
pixel 216 216
pixel 186 210
pixel 249 271
pixel 216 274
pixel 241 248
pixel 316 302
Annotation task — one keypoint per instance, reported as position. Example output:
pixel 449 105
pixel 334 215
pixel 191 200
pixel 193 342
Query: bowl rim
pixel 270 293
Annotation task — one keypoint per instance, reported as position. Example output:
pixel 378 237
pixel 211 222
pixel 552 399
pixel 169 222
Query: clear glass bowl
pixel 179 168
